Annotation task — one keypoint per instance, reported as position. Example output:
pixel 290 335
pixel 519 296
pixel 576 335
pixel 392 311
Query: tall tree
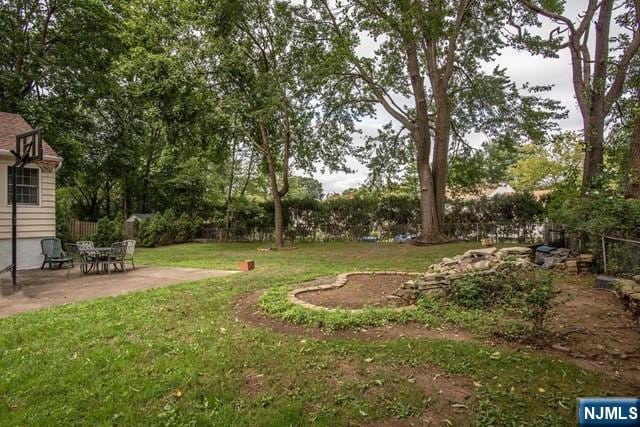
pixel 427 75
pixel 48 49
pixel 598 76
pixel 546 166
pixel 270 70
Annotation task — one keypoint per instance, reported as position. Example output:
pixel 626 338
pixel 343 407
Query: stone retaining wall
pixel 440 276
pixel 629 291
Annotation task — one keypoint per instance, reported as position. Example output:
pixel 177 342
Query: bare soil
pixel 451 397
pixel 589 327
pixel 253 382
pixel 361 290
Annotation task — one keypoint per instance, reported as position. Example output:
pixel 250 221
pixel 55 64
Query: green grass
pixel 178 356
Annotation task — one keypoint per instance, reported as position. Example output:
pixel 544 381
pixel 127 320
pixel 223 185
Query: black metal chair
pixel 78 257
pixel 114 257
pixel 53 253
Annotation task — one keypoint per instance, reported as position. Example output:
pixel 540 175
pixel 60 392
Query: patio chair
pixel 115 256
pixel 87 248
pixel 130 247
pixel 78 257
pixel 85 245
pixel 53 253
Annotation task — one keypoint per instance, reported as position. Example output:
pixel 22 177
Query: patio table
pixel 98 254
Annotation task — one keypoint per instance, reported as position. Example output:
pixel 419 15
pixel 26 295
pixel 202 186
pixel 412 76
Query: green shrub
pixel 64 214
pixel 519 208
pixel 616 216
pixel 109 231
pixel 527 294
pixel 538 302
pixel 166 228
pixel 601 212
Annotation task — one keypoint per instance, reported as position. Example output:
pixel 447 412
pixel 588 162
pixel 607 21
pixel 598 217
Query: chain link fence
pixel 613 255
pixel 504 232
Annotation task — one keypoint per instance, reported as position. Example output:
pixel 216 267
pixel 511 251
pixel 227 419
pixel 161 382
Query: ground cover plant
pixel 179 356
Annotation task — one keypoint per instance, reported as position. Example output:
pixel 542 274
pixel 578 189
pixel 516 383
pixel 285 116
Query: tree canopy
pixel 213 109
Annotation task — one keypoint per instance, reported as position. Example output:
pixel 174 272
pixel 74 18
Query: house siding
pixel 34 222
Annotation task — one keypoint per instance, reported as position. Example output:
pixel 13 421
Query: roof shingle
pixel 13 124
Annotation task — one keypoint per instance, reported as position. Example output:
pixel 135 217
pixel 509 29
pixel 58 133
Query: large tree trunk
pixel 633 181
pixel 441 152
pixel 596 109
pixel 593 150
pixel 277 193
pixel 277 202
pixel 224 236
pixel 431 228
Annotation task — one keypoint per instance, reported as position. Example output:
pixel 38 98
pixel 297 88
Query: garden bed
pixel 360 290
pixel 587 326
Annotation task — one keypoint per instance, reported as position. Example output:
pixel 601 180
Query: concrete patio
pixel 46 288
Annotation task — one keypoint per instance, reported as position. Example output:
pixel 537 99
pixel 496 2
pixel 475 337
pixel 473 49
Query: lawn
pixel 178 355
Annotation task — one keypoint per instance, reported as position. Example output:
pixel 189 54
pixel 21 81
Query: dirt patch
pixel 361 290
pixel 591 326
pixel 449 399
pixel 253 382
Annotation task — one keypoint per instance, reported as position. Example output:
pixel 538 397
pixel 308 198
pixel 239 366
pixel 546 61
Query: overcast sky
pixel 521 66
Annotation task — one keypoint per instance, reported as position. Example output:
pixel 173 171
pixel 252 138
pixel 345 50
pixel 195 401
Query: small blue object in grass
pixel 404 237
pixel 608 411
pixel 545 249
pixel 370 239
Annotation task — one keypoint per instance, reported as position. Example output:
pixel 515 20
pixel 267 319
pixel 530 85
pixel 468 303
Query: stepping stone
pixel 481 252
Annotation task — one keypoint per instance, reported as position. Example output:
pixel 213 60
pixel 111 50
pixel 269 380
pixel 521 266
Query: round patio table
pixel 99 254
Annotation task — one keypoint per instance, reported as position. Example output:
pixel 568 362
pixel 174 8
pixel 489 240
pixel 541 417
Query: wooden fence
pixel 82 229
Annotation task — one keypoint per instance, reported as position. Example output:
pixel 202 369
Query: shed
pixel 140 217
pixel 131 223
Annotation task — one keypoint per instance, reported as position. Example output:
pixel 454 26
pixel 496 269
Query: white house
pixel 489 191
pixel 35 192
